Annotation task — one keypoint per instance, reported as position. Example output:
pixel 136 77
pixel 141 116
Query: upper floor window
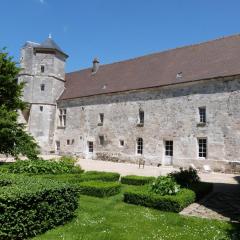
pixel 139 146
pixel 42 68
pixel 101 119
pixel 121 142
pixel 202 147
pixel 62 117
pixel 42 86
pixel 202 114
pixel 141 118
pixel 41 108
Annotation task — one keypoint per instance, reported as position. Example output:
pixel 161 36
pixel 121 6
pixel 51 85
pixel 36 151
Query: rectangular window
pixel 62 117
pixel 72 141
pixel 101 119
pixel 121 142
pixel 101 140
pixel 58 145
pixel 68 141
pixel 90 147
pixel 168 148
pixel 202 147
pixel 139 146
pixel 141 117
pixel 41 108
pixel 42 86
pixel 202 114
pixel 42 69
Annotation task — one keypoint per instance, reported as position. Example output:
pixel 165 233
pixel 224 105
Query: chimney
pixel 95 66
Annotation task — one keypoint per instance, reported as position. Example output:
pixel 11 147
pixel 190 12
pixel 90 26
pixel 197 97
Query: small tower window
pixel 121 142
pixel 42 86
pixel 42 69
pixel 41 108
pixel 140 146
pixel 141 118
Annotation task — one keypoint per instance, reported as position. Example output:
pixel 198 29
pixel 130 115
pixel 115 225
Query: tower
pixel 42 70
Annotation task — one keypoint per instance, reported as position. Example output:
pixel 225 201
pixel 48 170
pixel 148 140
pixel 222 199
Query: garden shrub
pixel 164 185
pixel 44 166
pixel 30 206
pixel 99 189
pixel 185 177
pixel 173 203
pixel 136 180
pixel 100 176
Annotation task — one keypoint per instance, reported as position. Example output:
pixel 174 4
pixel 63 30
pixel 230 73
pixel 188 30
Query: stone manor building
pixel 178 107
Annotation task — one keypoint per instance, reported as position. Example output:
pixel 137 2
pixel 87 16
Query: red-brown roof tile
pixel 211 59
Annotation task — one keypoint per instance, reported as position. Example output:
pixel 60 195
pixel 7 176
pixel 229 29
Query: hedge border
pixel 136 180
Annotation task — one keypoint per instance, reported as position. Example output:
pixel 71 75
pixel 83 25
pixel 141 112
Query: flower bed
pixel 173 203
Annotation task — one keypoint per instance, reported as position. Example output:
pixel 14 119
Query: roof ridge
pixel 164 51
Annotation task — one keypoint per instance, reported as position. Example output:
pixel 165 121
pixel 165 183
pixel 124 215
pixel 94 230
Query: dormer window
pixel 42 68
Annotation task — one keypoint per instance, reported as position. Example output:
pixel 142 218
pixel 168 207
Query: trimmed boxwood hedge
pixel 100 176
pixel 99 189
pixel 30 206
pixel 172 203
pixel 136 180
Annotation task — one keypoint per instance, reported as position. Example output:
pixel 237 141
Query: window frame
pixel 62 117
pixel 42 87
pixel 90 146
pixel 139 148
pixel 42 68
pixel 141 116
pixel 101 140
pixel 202 115
pixel 168 148
pixel 202 147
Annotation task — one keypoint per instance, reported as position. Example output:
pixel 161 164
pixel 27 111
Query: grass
pixel 112 219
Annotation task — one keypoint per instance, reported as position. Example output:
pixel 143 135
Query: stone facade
pixel 170 113
pixel 108 127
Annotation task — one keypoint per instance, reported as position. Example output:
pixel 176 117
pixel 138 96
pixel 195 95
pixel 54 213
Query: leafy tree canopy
pixel 14 139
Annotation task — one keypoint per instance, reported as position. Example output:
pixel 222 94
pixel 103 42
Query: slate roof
pixel 217 58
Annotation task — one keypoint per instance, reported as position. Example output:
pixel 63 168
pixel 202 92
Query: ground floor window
pixel 169 148
pixel 90 147
pixel 139 146
pixel 58 145
pixel 202 147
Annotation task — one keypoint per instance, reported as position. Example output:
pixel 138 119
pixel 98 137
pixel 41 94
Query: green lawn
pixel 112 219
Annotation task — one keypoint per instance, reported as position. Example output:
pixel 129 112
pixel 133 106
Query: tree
pixel 14 139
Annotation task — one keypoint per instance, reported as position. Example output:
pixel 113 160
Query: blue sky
pixel 115 30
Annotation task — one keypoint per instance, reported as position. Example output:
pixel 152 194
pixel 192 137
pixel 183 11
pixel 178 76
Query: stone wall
pixel 171 113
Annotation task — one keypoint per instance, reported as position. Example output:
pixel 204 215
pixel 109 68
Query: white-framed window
pixel 62 117
pixel 42 68
pixel 169 148
pixel 140 146
pixel 42 87
pixel 90 146
pixel 202 114
pixel 202 147
pixel 141 117
pixel 101 140
pixel 121 143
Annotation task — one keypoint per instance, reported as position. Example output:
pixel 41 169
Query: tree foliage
pixel 14 139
